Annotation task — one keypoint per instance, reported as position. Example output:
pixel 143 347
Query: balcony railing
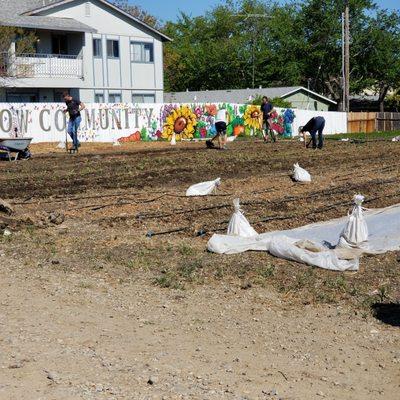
pixel 40 66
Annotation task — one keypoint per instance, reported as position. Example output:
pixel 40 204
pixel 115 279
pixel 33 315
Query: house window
pixel 113 48
pixel 99 97
pixel 143 98
pixel 114 98
pixel 97 48
pixel 59 44
pixel 142 52
pixel 21 97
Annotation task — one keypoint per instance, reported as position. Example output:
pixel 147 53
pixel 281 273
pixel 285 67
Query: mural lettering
pixel 143 122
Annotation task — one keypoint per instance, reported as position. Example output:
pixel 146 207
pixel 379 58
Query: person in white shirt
pixel 220 127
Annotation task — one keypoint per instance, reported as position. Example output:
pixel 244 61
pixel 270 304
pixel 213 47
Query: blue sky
pixel 169 9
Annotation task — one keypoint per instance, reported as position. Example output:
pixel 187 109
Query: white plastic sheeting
pixel 203 188
pixel 238 225
pixel 315 244
pixel 300 174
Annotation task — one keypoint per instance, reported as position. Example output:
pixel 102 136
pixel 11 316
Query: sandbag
pixel 173 139
pixel 238 225
pixel 300 174
pixel 203 188
pixel 355 233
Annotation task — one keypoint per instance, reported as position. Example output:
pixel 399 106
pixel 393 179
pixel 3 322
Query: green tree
pixel 378 57
pixel 217 50
pixel 25 40
pixel 283 45
pixel 276 101
pixel 24 43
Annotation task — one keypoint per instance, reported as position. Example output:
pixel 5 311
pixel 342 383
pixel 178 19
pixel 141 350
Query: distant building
pixel 299 96
pixel 91 48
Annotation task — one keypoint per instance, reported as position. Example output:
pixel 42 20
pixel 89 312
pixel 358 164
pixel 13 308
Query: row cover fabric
pixel 300 174
pixel 315 244
pixel 203 188
pixel 238 225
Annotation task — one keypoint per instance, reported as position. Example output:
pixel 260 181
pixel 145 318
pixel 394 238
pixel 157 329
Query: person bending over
pixel 313 126
pixel 220 127
pixel 74 108
pixel 267 109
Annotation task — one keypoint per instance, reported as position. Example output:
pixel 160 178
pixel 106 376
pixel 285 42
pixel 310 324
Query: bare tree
pixel 139 13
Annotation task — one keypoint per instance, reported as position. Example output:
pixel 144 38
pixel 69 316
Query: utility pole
pixel 343 79
pixel 346 84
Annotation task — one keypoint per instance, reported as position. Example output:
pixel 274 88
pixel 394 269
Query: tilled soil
pixel 124 289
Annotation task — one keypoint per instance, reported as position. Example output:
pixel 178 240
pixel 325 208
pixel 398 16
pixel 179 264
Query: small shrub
pixel 185 250
pixel 168 280
pixel 268 271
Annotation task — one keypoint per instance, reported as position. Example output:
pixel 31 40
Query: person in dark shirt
pixel 74 108
pixel 267 109
pixel 313 126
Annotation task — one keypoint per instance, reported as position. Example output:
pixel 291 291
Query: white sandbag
pixel 355 233
pixel 300 174
pixel 61 145
pixel 173 139
pixel 203 188
pixel 396 139
pixel 238 225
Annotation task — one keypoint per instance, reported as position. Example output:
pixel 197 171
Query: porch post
pixel 11 64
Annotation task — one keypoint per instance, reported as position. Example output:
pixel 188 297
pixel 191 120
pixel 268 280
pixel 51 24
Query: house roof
pixel 237 95
pixel 12 14
pixel 42 5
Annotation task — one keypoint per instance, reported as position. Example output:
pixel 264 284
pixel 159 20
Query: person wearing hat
pixel 313 126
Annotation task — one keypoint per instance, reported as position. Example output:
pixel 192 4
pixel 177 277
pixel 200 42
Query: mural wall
pixel 147 122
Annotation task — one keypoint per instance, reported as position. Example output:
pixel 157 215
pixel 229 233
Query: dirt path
pixel 68 337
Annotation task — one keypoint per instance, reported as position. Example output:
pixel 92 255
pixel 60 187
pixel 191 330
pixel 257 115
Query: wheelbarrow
pixel 18 146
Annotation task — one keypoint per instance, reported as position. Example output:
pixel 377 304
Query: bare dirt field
pixel 107 290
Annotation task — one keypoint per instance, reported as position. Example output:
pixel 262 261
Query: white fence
pixel 46 122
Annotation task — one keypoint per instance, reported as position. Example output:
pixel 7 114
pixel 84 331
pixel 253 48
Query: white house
pixel 91 48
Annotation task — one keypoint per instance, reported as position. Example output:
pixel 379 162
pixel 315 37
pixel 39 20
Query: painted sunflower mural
pixel 252 118
pixel 181 121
